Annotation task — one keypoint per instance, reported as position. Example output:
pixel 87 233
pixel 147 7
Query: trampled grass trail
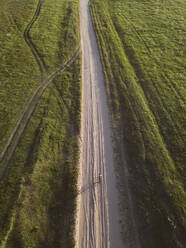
pixel 31 105
pixel 25 118
pixel 46 115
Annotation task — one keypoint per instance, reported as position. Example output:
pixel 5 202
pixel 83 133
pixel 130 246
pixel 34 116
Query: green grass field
pixel 37 195
pixel 142 47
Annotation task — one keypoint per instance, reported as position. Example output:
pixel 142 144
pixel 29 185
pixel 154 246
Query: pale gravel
pixel 98 215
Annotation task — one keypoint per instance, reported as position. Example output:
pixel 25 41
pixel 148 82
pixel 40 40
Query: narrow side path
pixel 27 114
pixel 39 59
pixel 98 204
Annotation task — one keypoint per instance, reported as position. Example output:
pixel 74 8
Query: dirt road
pixel 98 211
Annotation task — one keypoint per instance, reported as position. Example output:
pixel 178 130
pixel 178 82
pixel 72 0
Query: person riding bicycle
pixel 100 177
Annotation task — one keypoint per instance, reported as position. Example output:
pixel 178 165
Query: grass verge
pixel 142 54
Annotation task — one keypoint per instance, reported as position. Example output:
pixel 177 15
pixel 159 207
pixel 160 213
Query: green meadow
pixel 37 193
pixel 142 47
pixel 143 53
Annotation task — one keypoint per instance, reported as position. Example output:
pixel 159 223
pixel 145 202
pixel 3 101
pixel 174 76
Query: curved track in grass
pixel 30 107
pixel 23 121
pixel 38 57
pixel 42 67
pixel 33 101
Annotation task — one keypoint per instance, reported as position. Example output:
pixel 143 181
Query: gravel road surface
pixel 98 224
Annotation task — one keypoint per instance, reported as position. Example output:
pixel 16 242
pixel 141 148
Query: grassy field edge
pixel 159 205
pixel 39 190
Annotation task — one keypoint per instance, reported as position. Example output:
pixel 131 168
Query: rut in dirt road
pixel 98 211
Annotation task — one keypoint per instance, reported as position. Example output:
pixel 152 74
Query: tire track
pixel 41 64
pixel 27 113
pixel 38 57
pixel 31 106
pixel 12 135
pixel 98 214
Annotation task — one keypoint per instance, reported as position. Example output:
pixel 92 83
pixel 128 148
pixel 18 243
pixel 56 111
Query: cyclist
pixel 100 177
